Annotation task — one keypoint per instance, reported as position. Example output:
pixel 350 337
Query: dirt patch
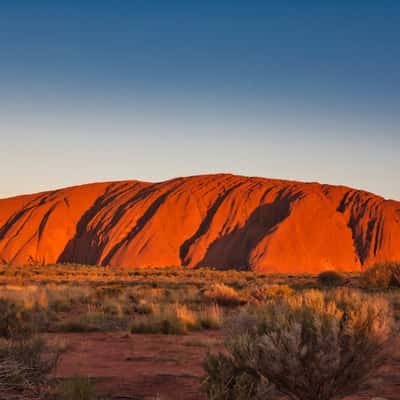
pixel 142 367
pixel 138 366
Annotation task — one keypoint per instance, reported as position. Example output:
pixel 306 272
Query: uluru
pixel 219 221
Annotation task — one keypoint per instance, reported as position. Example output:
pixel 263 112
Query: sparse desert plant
pixel 112 306
pixel 61 305
pixel 25 360
pixel 168 324
pixel 15 321
pixel 26 296
pixel 143 307
pixel 175 319
pixel 80 324
pixel 232 378
pixel 187 316
pixel 77 388
pixel 211 317
pixel 223 294
pixel 25 364
pixel 91 322
pixel 331 279
pixel 382 275
pixel 314 346
pixel 393 297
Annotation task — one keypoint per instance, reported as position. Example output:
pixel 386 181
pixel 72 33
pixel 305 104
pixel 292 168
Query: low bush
pixel 25 360
pixel 382 275
pixel 25 365
pixel 77 388
pixel 313 346
pixel 331 279
pixel 15 321
pixel 167 324
pixel 230 378
pixel 143 307
pixel 92 322
pixel 61 305
pixel 171 320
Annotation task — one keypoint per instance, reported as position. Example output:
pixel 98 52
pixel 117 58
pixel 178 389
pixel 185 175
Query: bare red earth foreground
pixel 140 367
pixel 213 220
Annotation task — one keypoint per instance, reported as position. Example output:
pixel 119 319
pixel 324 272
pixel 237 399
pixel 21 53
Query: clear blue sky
pixel 108 90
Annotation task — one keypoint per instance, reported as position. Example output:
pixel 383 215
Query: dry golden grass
pixel 178 319
pixel 100 298
pixel 222 294
pixel 159 277
pixel 71 298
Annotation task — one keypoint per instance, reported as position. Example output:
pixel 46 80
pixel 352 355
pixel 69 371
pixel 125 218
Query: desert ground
pixel 145 333
pixel 164 367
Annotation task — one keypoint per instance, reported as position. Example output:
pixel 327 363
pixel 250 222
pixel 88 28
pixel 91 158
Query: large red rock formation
pixel 212 220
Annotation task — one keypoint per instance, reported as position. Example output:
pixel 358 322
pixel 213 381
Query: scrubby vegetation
pixel 382 276
pixel 261 293
pixel 24 366
pixel 25 358
pixel 77 388
pixel 310 346
pixel 331 278
pixel 178 319
pixel 309 337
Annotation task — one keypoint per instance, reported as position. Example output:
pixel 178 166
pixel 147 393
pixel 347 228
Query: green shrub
pixel 92 322
pixel 25 364
pixel 331 278
pixel 313 346
pixel 230 378
pixel 77 388
pixel 61 305
pixel 25 360
pixel 167 326
pixel 382 275
pixel 15 321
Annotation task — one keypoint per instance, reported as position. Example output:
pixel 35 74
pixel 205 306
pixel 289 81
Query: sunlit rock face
pixel 212 220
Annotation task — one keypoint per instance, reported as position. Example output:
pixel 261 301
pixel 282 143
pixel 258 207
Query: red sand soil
pixel 138 366
pixel 143 366
pixel 212 220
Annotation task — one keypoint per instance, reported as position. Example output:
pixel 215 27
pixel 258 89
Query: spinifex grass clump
pixel 313 346
pixel 222 294
pixel 178 319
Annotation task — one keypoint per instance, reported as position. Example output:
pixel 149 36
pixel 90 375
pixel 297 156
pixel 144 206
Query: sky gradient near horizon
pixel 150 90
